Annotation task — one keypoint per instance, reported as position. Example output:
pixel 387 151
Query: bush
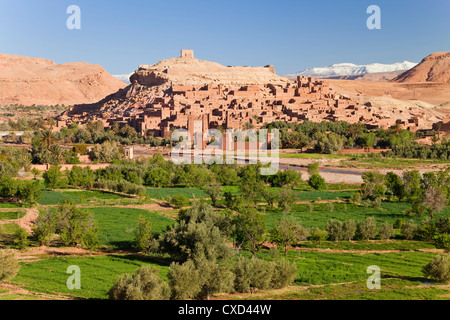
pixel 442 241
pixel 356 198
pixel 179 201
pixel 376 204
pixel 288 232
pixel 145 284
pixel 427 231
pixel 77 226
pixel 399 223
pixel 317 235
pixel 210 230
pixel 284 274
pixel 438 269
pixel 317 182
pixel 286 199
pixel 45 227
pixel 330 206
pixel 184 280
pixel 335 230
pixel 254 273
pixel 367 229
pixel 143 240
pixel 386 231
pixel 443 225
pixel 54 178
pixel 9 267
pixel 348 230
pixel 409 230
pixel 21 239
pixel 213 277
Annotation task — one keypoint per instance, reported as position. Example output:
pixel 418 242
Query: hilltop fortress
pixel 177 92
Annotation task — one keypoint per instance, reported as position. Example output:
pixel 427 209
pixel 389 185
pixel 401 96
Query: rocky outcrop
pixel 28 81
pixel 188 71
pixel 434 68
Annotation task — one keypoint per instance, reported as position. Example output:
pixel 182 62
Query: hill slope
pixel 434 68
pixel 28 81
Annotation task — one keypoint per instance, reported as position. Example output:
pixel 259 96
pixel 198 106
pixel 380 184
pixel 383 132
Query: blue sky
pixel 290 34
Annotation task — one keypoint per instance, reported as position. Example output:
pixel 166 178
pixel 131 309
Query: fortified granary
pixel 177 92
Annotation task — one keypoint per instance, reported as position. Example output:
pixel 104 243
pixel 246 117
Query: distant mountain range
pixel 350 69
pixel 125 78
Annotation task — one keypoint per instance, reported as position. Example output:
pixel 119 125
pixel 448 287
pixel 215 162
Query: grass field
pixel 325 271
pixel 117 225
pixel 392 163
pixel 372 245
pixel 56 197
pixel 11 215
pixel 162 193
pixel 98 274
pixel 339 275
pixel 389 212
pixel 8 205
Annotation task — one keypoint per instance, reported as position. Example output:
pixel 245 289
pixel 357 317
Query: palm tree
pixel 48 138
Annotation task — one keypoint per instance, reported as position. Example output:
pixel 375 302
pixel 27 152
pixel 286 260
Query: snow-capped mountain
pixel 123 77
pixel 350 69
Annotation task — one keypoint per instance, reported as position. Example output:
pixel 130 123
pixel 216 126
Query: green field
pixel 117 225
pixel 11 215
pixel 56 197
pixel 343 275
pixel 392 163
pixel 98 274
pixel 8 205
pixel 389 212
pixel 162 193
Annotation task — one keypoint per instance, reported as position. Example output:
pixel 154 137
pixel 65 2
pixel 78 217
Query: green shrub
pixel 356 198
pixel 184 280
pixel 409 230
pixel 367 229
pixel 386 231
pixel 288 232
pixel 9 267
pixel 317 182
pixel 399 223
pixel 442 241
pixel 283 274
pixel 438 269
pixel 254 273
pixel 330 206
pixel 348 230
pixel 443 225
pixel 335 230
pixel 179 201
pixel 427 231
pixel 274 253
pixel 21 238
pixel 317 235
pixel 143 240
pixel 286 198
pixel 145 284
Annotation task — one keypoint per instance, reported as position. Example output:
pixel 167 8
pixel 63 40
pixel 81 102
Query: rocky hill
pixel 186 70
pixel 434 68
pixel 28 81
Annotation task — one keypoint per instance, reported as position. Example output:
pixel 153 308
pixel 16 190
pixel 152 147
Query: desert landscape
pixel 97 204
